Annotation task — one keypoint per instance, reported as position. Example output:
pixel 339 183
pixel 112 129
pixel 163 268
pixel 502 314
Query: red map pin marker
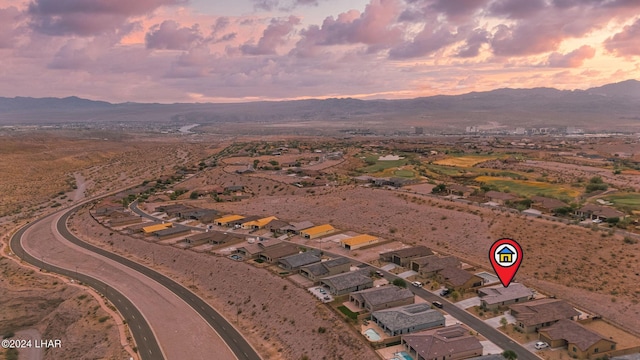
pixel 505 256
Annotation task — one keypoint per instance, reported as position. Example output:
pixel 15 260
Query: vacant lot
pixel 465 161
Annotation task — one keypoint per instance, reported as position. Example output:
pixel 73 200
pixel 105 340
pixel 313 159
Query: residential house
pixel 359 241
pixel 226 220
pixel 581 343
pixel 535 315
pixel 272 254
pixel 459 190
pixel 404 256
pixel 238 223
pixel 126 220
pixel 342 284
pixel 317 231
pixel 296 261
pixel 297 227
pixel 199 238
pixel 431 265
pixel 258 224
pixel 138 228
pixel 450 343
pixel 149 230
pixel 408 319
pixel 499 197
pixel 234 188
pixel 177 210
pixel 592 211
pixel 276 226
pixel 548 205
pixel 202 215
pixel 458 279
pixel 494 297
pixel 380 298
pixel 171 232
pixel 331 267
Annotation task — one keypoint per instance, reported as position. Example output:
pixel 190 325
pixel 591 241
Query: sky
pixel 245 50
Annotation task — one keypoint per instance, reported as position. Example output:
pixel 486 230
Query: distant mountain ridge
pixel 506 105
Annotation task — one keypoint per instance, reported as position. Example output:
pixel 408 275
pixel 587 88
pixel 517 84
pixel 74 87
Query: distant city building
pixel 419 130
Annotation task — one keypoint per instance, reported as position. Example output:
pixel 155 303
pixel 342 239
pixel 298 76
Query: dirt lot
pixel 32 300
pixel 280 319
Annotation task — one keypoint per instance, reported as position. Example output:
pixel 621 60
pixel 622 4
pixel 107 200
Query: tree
pixel 509 355
pixel 439 189
pixel 455 295
pixel 504 322
pixel 400 283
pixel 194 195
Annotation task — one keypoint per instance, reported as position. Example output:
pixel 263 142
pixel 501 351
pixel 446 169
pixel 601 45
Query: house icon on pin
pixel 506 255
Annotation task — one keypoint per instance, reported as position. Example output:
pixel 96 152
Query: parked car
pixel 437 304
pixel 596 221
pixel 541 345
pixel 379 273
pixel 326 298
pixel 417 284
pixel 322 291
pixel 445 292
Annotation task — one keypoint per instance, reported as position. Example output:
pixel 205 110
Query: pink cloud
pixel 573 59
pixel 273 36
pixel 626 42
pixel 88 17
pixel 169 35
pixel 10 23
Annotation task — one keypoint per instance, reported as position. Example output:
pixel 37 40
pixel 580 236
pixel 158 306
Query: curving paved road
pixel 185 340
pixel 148 347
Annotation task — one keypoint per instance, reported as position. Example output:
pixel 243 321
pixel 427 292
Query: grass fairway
pixel 465 161
pixel 378 166
pixel 404 173
pixel 531 188
pixel 625 200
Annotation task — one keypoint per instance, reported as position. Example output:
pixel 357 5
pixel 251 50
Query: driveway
pixel 465 304
pixel 489 348
pixel 495 322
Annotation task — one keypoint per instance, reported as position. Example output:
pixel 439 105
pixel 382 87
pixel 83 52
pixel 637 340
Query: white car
pixel 541 345
pixel 417 284
pixel 596 221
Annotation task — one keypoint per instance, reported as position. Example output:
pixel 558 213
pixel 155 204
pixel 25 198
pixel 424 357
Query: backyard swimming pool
pixel 372 335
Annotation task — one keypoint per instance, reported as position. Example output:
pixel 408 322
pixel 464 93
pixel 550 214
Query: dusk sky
pixel 244 50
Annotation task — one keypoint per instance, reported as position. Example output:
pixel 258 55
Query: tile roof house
pixel 547 204
pixel 493 297
pixel 317 231
pixel 383 297
pixel 450 343
pixel 499 197
pixel 603 213
pixel 458 279
pixel 331 267
pixel 534 315
pixel 358 241
pixel 407 319
pixel 178 230
pixel 296 261
pixel 580 341
pixel 274 253
pixel 296 227
pixel 404 256
pixel 345 283
pixel 431 265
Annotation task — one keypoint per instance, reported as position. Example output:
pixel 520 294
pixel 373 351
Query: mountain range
pixel 615 105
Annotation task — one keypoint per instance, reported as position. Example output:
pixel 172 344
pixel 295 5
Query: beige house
pixel 582 343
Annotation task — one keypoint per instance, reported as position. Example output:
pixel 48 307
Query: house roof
pixel 302 259
pixel 383 295
pixel 143 225
pixel 276 224
pixel 202 236
pixel 573 333
pixel 408 316
pixel 318 229
pixel 498 293
pixel 178 229
pixel 433 263
pixel 499 195
pixel 260 222
pixel 298 226
pixel 548 203
pixel 542 311
pixel 443 342
pixel 414 251
pixel 347 280
pixel 228 219
pixel 156 227
pixel 359 239
pixel 456 276
pixel 506 250
pixel 603 211
pixel 280 250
